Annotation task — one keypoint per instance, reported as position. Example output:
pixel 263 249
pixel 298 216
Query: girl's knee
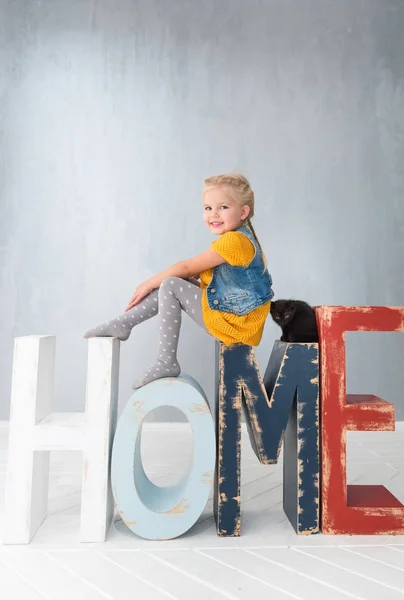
pixel 168 282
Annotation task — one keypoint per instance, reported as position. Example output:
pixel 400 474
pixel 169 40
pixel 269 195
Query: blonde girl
pixel 226 290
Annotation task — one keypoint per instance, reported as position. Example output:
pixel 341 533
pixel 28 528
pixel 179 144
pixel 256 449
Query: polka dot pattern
pixel 173 298
pixel 168 303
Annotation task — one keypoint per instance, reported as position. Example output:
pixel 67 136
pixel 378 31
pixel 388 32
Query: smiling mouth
pixel 216 223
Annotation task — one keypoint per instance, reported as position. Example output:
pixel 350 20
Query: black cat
pixel 297 320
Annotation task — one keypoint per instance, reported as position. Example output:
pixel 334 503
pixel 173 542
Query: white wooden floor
pixel 269 560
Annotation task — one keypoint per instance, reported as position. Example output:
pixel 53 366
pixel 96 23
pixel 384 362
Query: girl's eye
pixel 224 206
pixel 207 207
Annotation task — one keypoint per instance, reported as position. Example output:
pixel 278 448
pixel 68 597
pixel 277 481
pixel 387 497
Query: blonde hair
pixel 238 187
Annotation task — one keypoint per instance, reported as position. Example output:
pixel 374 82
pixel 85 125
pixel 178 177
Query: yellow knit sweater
pixel 237 250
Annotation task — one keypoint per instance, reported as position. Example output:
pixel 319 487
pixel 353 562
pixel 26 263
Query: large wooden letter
pixel 35 430
pixel 150 511
pixel 287 399
pixel 353 509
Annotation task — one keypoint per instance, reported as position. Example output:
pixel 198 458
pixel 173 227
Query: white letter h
pixel 34 431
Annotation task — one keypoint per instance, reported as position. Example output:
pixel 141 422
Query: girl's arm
pixel 184 269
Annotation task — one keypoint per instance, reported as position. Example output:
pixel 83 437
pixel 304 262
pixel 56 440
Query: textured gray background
pixel 113 112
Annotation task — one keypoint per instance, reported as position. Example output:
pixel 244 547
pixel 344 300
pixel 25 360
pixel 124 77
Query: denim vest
pixel 238 290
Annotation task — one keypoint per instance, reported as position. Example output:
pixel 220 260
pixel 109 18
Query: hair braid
pixel 250 225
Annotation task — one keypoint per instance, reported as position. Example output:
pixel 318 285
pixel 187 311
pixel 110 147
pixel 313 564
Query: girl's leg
pixel 121 326
pixel 175 295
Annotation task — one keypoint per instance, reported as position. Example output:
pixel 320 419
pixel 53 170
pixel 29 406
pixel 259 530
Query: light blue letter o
pixel 150 511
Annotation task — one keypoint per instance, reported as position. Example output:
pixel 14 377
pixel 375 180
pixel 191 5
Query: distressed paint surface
pixel 352 509
pixel 148 510
pixel 295 398
pixel 290 383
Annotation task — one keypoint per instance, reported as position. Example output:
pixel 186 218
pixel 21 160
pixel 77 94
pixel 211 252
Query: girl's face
pixel 221 212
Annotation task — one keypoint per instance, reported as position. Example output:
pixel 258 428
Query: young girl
pixel 232 299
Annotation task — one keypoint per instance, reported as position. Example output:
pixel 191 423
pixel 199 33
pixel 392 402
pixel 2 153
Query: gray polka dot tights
pixel 174 296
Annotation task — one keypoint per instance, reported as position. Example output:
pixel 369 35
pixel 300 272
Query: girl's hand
pixel 141 292
pixel 184 270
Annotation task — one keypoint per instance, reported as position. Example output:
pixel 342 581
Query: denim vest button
pixel 215 301
pixel 213 291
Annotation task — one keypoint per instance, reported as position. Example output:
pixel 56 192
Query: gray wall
pixel 111 115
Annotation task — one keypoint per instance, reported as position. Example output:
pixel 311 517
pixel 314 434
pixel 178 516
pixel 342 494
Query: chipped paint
pixel 237 530
pixel 271 400
pixel 207 478
pixel 342 413
pixel 200 408
pixel 179 509
pixel 228 406
pixel 310 531
pixel 138 406
pixel 251 358
pixel 236 400
pixel 240 383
